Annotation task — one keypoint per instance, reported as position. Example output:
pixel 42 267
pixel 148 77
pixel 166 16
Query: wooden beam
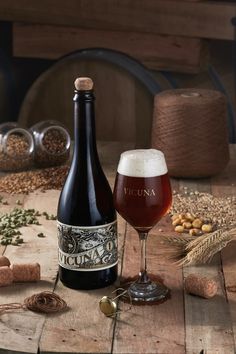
pixel 208 19
pixel 188 55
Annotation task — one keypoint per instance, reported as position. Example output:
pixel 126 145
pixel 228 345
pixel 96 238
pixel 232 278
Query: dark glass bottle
pixel 87 228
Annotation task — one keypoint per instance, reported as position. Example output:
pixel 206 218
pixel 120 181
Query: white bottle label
pixel 87 248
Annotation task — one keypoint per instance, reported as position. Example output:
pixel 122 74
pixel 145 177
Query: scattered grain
pixel 29 181
pixel 219 211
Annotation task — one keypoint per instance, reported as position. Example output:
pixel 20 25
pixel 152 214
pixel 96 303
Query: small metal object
pixel 107 306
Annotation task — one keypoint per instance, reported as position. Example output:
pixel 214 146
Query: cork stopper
pixel 199 285
pixel 83 84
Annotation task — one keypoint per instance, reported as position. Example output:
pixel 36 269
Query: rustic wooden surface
pixel 183 324
pixel 203 19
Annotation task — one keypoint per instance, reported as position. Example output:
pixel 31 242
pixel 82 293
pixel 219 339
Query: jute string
pixel 45 302
pixel 190 127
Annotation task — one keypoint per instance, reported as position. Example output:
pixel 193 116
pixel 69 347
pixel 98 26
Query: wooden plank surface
pixel 83 329
pixel 27 332
pixel 215 314
pixel 224 184
pixel 188 55
pixel 151 329
pixel 21 330
pixel 207 19
pixel 183 324
pixel 208 322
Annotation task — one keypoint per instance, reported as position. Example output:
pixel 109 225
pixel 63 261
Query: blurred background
pixel 132 50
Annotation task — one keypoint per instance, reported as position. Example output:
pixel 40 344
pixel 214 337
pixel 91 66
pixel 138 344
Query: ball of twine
pixel 45 302
pixel 190 127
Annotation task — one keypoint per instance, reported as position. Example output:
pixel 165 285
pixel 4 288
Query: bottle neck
pixel 84 129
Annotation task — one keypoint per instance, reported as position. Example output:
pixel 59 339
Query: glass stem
pixel 143 277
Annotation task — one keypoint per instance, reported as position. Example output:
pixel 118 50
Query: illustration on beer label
pixel 87 248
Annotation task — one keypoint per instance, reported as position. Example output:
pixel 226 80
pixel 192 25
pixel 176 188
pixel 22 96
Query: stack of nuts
pixel 189 223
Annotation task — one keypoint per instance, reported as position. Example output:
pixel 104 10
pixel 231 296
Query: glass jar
pixel 16 147
pixel 52 143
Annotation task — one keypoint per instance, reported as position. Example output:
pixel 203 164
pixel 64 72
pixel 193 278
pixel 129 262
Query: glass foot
pixel 150 291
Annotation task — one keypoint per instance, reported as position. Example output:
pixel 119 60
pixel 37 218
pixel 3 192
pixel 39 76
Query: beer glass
pixel 142 196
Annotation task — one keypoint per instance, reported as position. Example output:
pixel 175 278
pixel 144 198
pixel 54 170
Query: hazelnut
pixel 189 216
pixel 206 228
pixel 197 223
pixel 194 232
pixel 174 217
pixel 176 222
pixel 179 228
pixel 183 220
pixel 187 225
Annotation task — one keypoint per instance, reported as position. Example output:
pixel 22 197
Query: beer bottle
pixel 87 226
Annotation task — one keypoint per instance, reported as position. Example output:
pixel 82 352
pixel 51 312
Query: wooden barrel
pixel 124 90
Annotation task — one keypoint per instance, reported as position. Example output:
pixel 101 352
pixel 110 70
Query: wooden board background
pixel 204 19
pixel 159 52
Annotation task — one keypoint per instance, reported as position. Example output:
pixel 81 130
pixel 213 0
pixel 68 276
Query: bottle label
pixel 87 248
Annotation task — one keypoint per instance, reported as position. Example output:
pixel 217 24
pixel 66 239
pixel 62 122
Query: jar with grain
pixel 52 143
pixel 16 147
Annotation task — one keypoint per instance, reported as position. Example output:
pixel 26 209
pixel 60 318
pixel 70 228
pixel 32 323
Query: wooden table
pixel 183 324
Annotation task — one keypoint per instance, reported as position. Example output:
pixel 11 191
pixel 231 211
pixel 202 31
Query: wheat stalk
pixel 198 250
pixel 178 251
pixel 176 240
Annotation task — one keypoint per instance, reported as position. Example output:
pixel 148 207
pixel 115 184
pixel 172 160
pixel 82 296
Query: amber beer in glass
pixel 142 201
pixel 142 196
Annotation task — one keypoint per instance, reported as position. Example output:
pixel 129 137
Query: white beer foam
pixel 142 163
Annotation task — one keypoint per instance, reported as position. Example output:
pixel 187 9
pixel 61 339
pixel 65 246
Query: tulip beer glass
pixel 142 196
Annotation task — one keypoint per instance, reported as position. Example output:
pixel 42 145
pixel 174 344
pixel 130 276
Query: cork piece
pixel 199 285
pixel 6 276
pixel 4 261
pixel 26 272
pixel 83 84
